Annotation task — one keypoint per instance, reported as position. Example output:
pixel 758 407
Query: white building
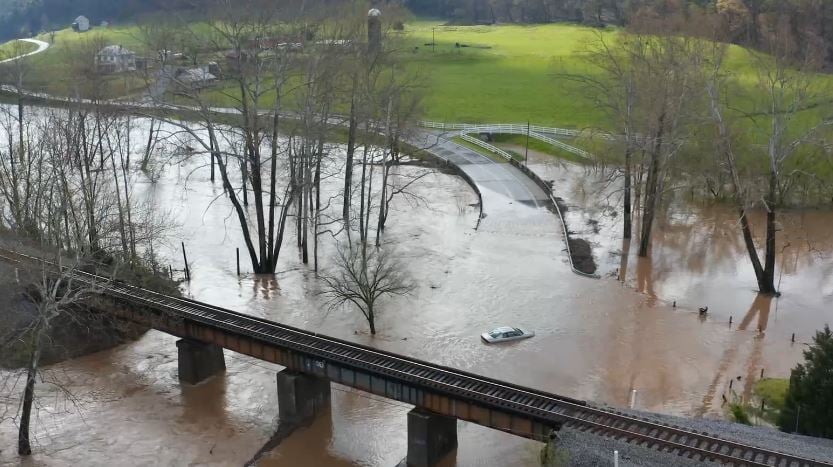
pixel 81 24
pixel 115 59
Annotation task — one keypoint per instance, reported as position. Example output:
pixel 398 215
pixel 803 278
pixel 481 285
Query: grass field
pixel 510 73
pixel 506 74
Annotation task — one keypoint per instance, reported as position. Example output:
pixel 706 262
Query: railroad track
pixel 549 408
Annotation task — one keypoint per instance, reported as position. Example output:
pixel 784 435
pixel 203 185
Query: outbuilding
pixel 81 24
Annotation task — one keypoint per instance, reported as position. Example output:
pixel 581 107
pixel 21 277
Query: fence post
pixel 185 258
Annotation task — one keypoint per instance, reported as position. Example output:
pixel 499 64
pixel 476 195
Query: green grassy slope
pixel 513 80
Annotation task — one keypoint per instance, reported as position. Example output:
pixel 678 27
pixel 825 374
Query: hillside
pixel 24 18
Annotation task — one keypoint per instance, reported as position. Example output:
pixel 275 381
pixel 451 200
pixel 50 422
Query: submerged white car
pixel 506 334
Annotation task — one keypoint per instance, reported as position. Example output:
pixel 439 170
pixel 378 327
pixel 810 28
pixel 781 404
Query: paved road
pixel 512 202
pixel 41 47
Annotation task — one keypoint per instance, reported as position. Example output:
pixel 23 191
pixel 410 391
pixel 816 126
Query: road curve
pixel 41 47
pixel 510 198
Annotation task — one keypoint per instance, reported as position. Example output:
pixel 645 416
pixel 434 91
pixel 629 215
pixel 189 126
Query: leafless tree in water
pixel 362 276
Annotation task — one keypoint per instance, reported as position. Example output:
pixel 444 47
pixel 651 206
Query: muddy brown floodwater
pixel 595 339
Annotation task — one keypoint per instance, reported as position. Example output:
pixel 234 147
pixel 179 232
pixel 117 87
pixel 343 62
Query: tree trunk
pixel 149 149
pixel 749 241
pixel 651 192
pixel 24 447
pixel 348 166
pixel 317 186
pixel 305 207
pixel 245 175
pixel 362 226
pixel 257 266
pixel 769 260
pixel 212 151
pixel 626 209
pixel 371 320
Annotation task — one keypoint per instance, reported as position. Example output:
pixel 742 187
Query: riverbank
pixel 81 329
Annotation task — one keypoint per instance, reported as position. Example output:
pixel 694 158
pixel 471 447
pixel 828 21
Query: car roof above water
pixel 503 329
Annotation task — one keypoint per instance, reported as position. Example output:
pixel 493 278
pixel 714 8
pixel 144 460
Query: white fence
pixel 538 132
pixel 559 144
pixel 486 146
pixel 499 128
pixel 517 128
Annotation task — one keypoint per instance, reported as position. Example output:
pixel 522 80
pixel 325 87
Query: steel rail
pixel 494 393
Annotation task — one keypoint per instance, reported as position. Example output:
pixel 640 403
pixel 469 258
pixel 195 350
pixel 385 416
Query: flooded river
pixel 595 339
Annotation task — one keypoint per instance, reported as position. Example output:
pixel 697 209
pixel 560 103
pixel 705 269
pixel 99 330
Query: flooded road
pixel 595 339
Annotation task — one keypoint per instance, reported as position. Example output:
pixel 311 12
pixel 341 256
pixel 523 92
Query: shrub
pixel 808 408
pixel 739 414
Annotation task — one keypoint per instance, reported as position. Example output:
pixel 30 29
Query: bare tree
pixel 646 86
pixel 614 92
pixel 362 276
pixel 251 139
pixel 787 86
pixel 55 291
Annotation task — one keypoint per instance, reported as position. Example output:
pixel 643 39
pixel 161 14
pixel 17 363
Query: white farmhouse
pixel 115 59
pixel 81 24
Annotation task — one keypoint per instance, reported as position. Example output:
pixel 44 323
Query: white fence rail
pixel 559 144
pixel 486 146
pixel 516 128
pixel 502 127
pixel 538 132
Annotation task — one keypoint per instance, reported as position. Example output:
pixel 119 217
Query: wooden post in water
pixel 185 258
pixel 238 261
pixel 171 271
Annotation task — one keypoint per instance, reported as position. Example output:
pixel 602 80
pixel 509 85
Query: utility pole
pixel 797 414
pixel 526 153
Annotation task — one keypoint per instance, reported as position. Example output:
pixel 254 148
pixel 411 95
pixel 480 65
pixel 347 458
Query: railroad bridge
pixel 440 395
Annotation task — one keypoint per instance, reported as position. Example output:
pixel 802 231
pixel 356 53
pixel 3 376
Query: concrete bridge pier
pixel 430 437
pixel 199 361
pixel 300 395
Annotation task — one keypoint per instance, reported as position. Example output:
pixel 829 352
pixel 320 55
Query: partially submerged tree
pixel 362 276
pixel 646 84
pixel 245 144
pixel 761 150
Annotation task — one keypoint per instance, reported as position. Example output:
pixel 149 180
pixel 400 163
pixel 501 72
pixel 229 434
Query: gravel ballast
pixel 584 449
